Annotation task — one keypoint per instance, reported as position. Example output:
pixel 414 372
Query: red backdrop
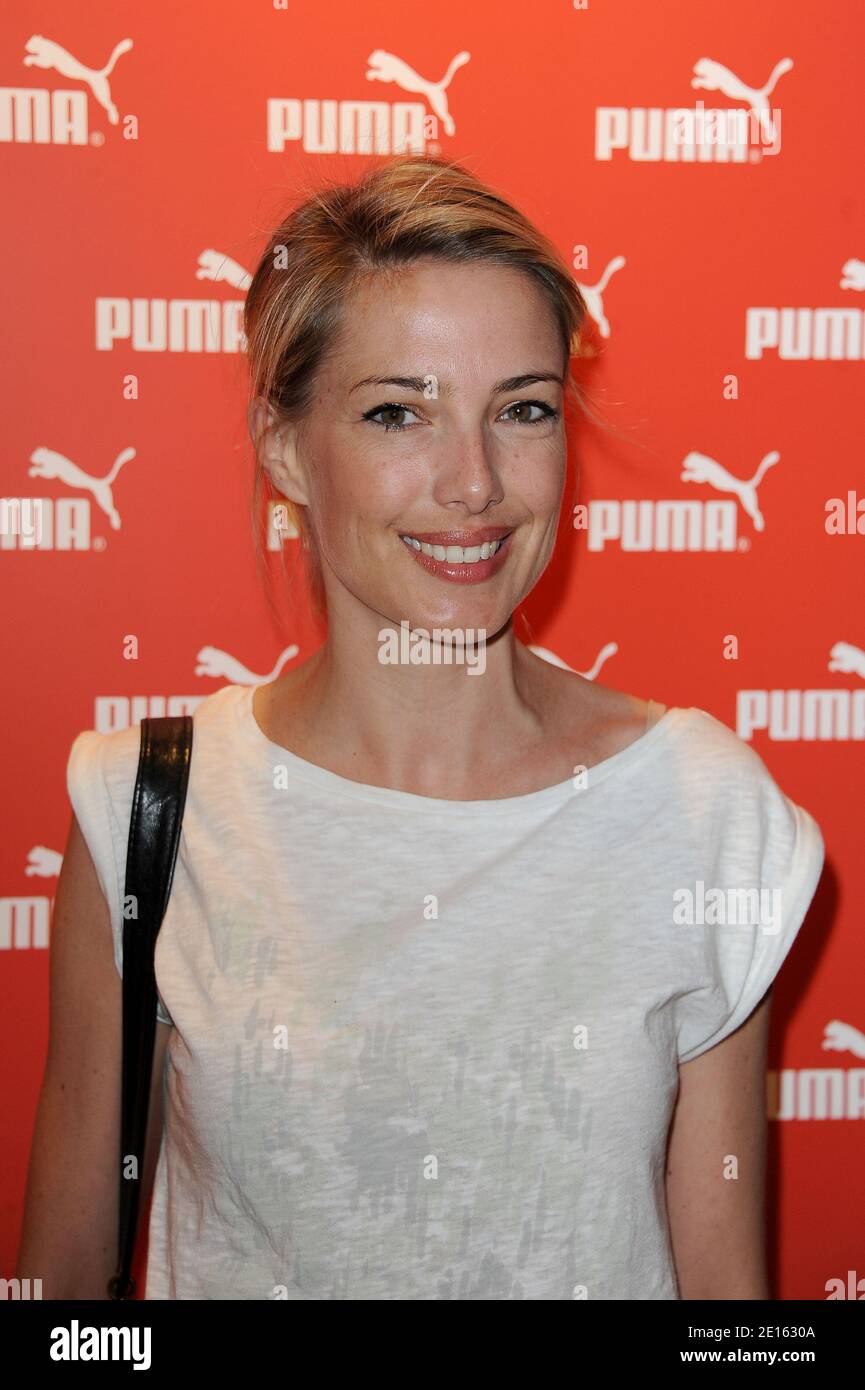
pixel 718 558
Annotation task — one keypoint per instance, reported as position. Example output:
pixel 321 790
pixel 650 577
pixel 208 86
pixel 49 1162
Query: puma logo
pixel 214 662
pixel 843 1037
pixel 592 295
pixel 44 53
pixel 848 659
pixel 212 265
pixel 47 463
pixel 714 77
pixel 604 654
pixel 43 862
pixel 853 275
pixel 386 67
pixel 697 468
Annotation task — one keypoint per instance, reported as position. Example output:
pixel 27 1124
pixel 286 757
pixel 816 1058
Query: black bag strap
pixel 154 835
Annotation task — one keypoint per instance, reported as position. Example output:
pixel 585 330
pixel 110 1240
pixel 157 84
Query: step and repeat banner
pixel 698 168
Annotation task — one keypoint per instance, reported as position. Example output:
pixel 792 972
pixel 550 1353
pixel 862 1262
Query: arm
pixel 717 1224
pixel 69 1237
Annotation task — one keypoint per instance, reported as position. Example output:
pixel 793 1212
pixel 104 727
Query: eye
pixel 547 411
pixel 389 408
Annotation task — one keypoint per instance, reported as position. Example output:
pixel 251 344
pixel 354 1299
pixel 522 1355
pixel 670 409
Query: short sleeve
pixel 762 869
pixel 95 760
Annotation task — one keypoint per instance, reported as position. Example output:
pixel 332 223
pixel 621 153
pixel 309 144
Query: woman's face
pixel 480 455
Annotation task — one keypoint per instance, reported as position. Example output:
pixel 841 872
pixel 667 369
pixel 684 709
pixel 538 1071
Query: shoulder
pixel 712 779
pixel 600 719
pixel 753 833
pixel 217 713
pixel 103 766
pixel 729 774
pixel 747 863
pixel 100 770
pixel 715 752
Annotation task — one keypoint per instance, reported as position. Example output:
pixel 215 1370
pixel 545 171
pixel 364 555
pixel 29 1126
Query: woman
pixel 442 1013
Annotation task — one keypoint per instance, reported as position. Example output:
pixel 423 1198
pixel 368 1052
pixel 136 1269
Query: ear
pixel 278 451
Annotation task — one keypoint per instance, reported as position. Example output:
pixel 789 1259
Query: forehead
pixel 473 317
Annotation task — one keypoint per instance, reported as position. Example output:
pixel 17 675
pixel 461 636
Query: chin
pixel 470 611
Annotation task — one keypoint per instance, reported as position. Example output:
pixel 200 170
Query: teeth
pixel 455 554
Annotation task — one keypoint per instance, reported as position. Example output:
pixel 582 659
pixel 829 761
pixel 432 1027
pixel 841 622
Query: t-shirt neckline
pixel 337 785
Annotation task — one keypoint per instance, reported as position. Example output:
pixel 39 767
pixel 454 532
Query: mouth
pixel 460 556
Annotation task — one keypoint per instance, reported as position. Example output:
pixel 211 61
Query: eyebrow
pixel 418 383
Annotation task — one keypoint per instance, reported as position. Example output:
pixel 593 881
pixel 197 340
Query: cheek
pixel 377 486
pixel 354 496
pixel 539 481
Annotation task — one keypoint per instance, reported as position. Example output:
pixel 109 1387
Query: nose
pixel 469 476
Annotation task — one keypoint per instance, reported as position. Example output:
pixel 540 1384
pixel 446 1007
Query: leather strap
pixel 154 836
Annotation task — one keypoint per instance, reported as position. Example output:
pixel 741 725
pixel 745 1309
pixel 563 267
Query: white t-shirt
pixel 428 1049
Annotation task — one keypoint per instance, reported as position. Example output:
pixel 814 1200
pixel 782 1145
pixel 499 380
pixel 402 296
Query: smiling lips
pixel 464 557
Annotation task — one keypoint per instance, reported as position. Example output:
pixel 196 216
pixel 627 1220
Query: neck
pixel 412 722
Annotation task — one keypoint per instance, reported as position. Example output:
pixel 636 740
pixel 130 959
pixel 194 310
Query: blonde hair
pixel 405 208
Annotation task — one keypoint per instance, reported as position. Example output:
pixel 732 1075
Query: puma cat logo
pixel 843 1037
pixel 213 265
pixel 853 275
pixel 592 295
pixel 697 468
pixel 714 77
pixel 43 862
pixel 386 67
pixel 47 463
pixel 608 650
pixel 44 53
pixel 848 659
pixel 212 661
